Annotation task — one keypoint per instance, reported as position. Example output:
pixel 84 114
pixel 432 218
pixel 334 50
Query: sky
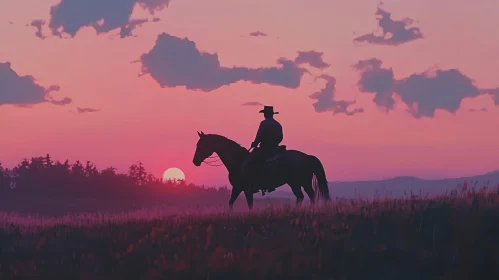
pixel 374 90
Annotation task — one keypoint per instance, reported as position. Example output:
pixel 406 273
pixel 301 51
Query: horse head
pixel 229 152
pixel 204 149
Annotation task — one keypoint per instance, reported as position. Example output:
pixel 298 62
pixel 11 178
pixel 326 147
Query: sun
pixel 173 174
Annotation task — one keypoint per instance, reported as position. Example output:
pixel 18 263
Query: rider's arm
pixel 281 135
pixel 259 133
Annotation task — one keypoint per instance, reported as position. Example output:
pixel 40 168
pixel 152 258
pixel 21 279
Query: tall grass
pixel 447 236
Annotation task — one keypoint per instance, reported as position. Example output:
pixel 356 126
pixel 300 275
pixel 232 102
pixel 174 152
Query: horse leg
pixel 249 199
pixel 233 196
pixel 298 193
pixel 310 192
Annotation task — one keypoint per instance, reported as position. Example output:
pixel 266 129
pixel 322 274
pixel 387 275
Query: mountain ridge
pixel 400 186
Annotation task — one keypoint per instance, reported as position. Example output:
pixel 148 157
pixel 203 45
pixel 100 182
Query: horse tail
pixel 319 180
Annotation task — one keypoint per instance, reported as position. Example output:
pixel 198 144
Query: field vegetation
pixel 450 236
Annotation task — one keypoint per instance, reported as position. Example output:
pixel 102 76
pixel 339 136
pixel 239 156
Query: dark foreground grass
pixel 455 236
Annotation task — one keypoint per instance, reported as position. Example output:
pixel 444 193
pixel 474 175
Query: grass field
pixel 453 236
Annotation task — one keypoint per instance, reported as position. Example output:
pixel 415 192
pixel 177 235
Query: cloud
pixel 377 80
pixel 394 32
pixel 444 89
pixel 87 110
pixel 423 93
pixel 475 110
pixel 313 58
pixel 176 62
pixel 38 24
pixel 128 28
pixel 23 90
pixel 252 103
pixel 326 101
pixel 494 92
pixel 62 102
pixel 69 16
pixel 257 34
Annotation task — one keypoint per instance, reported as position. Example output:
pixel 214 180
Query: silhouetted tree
pixel 42 176
pixel 2 178
pixel 48 161
pixel 138 173
pixel 23 174
pixel 77 170
pixel 108 172
pixel 151 179
pixel 60 174
pixel 90 170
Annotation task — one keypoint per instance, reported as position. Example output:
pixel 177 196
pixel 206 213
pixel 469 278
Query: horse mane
pixel 232 143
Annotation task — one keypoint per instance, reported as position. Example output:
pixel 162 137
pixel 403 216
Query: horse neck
pixel 231 154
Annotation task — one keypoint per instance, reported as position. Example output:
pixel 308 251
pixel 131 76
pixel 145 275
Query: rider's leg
pixel 251 165
pixel 266 152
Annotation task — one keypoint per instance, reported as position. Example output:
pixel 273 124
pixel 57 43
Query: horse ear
pixel 202 133
pixel 199 134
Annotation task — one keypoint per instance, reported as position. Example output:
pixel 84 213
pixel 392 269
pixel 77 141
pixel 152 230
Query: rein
pixel 216 159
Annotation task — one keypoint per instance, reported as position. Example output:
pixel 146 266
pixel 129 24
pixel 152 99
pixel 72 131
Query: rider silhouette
pixel 269 136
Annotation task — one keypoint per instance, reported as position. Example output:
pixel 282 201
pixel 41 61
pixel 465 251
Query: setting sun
pixel 172 174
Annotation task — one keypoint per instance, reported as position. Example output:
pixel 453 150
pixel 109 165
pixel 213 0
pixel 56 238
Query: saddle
pixel 269 160
pixel 274 154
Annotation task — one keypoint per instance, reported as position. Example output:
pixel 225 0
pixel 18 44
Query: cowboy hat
pixel 268 110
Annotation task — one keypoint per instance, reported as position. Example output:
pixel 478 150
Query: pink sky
pixel 140 120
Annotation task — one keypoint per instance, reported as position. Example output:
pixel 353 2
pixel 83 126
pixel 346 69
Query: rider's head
pixel 268 112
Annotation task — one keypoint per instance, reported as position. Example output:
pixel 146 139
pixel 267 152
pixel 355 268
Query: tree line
pixel 42 175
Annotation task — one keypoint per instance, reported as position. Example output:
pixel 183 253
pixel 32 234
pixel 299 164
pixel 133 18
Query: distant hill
pixel 398 185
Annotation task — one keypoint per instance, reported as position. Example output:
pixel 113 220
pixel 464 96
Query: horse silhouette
pixel 291 167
